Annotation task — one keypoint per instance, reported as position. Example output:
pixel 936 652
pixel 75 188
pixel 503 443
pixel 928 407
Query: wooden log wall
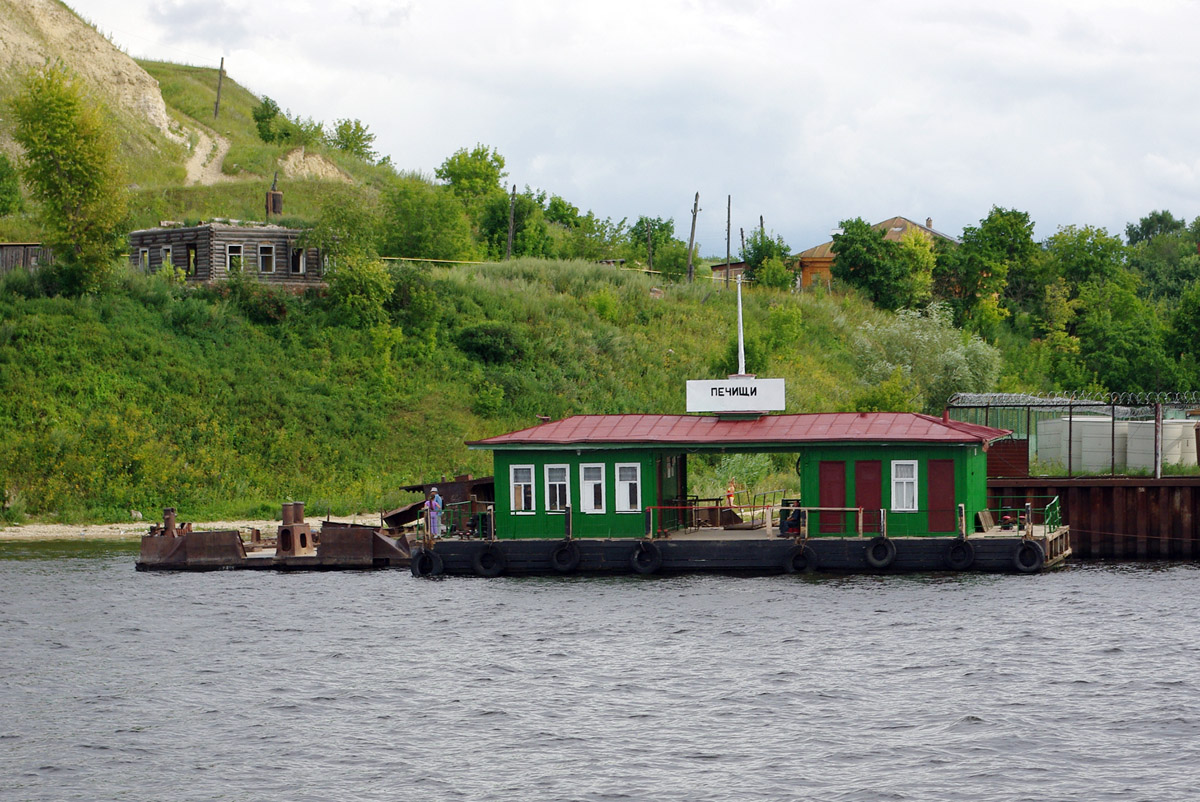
pixel 1116 518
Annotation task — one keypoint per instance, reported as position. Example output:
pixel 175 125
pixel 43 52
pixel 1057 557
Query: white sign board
pixel 735 395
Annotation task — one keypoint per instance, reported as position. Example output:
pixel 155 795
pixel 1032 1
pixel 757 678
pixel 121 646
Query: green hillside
pixel 228 400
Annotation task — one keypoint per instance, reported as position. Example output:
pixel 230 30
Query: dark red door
pixel 868 491
pixel 832 493
pixel 941 495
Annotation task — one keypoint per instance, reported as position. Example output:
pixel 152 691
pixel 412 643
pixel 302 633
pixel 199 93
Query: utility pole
pixel 512 210
pixel 649 249
pixel 220 75
pixel 742 232
pixel 728 233
pixel 762 227
pixel 692 240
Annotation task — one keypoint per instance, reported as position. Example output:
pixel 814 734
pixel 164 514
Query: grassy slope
pixel 190 93
pixel 150 396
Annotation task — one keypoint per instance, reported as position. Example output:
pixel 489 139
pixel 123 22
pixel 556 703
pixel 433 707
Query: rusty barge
pixel 295 547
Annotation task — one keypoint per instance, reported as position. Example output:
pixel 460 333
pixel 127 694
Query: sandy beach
pixel 133 529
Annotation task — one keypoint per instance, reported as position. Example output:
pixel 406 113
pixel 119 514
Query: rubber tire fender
pixel 489 561
pixel 1029 558
pixel 426 563
pixel 800 560
pixel 565 557
pixel 960 555
pixel 880 552
pixel 646 558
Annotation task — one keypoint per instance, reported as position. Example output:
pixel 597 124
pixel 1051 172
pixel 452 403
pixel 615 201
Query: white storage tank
pixel 1050 441
pixel 1178 443
pixel 1092 441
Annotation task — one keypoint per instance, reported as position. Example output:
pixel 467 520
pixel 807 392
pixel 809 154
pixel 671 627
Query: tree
pixel 761 248
pixel 864 259
pixel 649 237
pixel 917 259
pixel 267 120
pixel 1166 264
pixel 10 187
pixel 354 138
pixel 424 221
pixel 974 276
pixel 71 169
pixel 1152 225
pixel 775 274
pixel 530 236
pixel 349 224
pixel 1080 255
pixel 1122 340
pixel 473 175
pixel 922 354
pixel 359 286
pixel 560 211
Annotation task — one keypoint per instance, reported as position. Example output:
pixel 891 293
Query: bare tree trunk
pixel 220 75
pixel 728 233
pixel 512 210
pixel 692 240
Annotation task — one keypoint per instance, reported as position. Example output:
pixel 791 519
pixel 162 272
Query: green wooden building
pixel 615 476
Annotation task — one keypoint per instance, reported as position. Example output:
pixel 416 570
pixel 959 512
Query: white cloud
pixel 1078 111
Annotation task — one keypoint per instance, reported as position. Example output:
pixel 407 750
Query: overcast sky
pixel 1079 112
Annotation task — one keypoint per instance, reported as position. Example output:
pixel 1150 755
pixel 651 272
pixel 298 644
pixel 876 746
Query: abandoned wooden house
pixel 27 255
pixel 214 251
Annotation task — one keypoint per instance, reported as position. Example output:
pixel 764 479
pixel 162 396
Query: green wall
pixel 970 485
pixel 541 523
pixel 970 480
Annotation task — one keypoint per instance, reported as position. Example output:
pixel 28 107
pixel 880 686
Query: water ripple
pixel 375 686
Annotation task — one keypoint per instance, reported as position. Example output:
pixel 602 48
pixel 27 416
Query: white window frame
pixel 566 488
pixel 241 255
pixel 167 255
pixel 302 264
pixel 268 248
pixel 899 483
pixel 623 487
pixel 144 259
pixel 587 494
pixel 513 485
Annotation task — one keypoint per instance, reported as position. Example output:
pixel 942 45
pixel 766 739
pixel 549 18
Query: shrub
pixel 494 342
pixel 359 286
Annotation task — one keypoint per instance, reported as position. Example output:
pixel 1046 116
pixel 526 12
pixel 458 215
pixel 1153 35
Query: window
pixel 521 477
pixel 266 258
pixel 233 258
pixel 591 488
pixel 191 259
pixel 167 260
pixel 558 498
pixel 629 498
pixel 904 486
pixel 144 258
pixel 297 261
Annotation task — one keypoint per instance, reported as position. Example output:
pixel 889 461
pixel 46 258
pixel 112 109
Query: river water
pixel 1082 684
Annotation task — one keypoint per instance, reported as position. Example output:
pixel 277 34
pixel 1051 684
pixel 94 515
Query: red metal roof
pixel 706 430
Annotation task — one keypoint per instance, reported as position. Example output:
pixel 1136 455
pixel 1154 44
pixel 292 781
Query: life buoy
pixel 489 561
pixel 880 552
pixel 960 555
pixel 426 563
pixel 646 558
pixel 800 560
pixel 565 556
pixel 1029 557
